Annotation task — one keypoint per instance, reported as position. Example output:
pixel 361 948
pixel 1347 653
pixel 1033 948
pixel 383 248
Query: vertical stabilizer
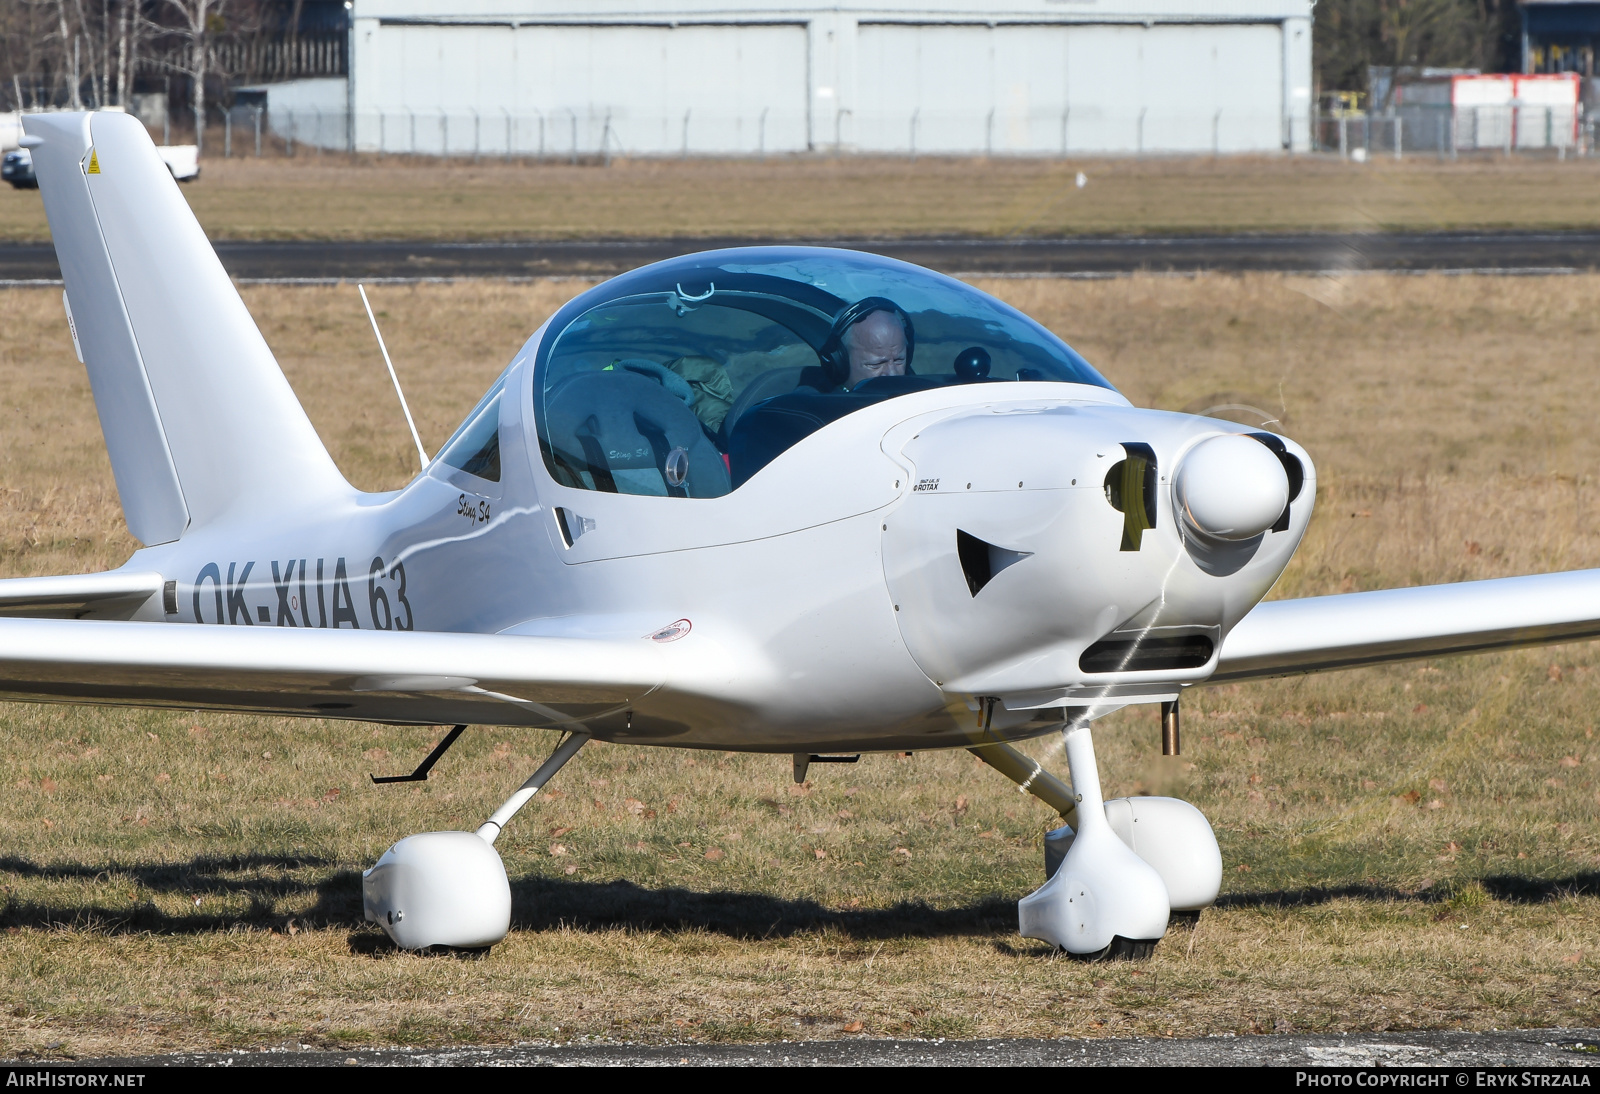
pixel 198 418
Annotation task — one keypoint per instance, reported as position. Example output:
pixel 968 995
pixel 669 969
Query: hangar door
pixel 1080 88
pixel 637 89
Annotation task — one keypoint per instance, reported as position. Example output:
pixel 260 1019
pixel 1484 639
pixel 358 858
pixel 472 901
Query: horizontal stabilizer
pixel 1316 634
pixel 425 677
pixel 114 595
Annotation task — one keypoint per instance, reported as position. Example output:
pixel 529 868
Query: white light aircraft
pixel 784 500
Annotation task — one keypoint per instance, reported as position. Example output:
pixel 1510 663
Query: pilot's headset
pixel 835 361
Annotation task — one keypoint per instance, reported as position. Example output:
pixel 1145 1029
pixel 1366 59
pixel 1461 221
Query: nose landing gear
pixel 1104 900
pixel 1133 865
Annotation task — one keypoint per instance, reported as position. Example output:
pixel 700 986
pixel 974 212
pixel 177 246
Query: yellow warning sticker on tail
pixel 94 163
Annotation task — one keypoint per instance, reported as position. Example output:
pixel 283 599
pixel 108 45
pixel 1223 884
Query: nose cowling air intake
pixel 1231 488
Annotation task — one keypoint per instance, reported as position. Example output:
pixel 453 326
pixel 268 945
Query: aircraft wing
pixel 388 676
pixel 113 595
pixel 1316 634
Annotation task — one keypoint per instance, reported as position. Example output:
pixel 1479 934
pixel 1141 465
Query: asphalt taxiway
pixel 1539 1048
pixel 400 260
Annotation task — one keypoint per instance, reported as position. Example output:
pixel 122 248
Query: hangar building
pixel 710 77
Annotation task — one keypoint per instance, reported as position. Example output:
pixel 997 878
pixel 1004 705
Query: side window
pixel 475 448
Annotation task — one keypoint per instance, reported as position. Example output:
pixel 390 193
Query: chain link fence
pixel 571 135
pixel 1448 131
pixel 574 135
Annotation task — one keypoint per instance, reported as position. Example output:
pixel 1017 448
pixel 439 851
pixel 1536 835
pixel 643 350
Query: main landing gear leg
pixel 1029 776
pixel 450 888
pixel 1104 900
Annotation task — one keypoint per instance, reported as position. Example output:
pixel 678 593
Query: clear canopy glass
pixel 685 378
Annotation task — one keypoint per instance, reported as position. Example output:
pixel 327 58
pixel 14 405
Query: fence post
pixel 1216 134
pixel 761 136
pixel 1066 113
pixel 477 134
pixel 574 114
pixel 1398 132
pixel 317 140
pixel 605 142
pixel 914 115
pixel 227 134
pixel 988 134
pixel 684 154
pixel 506 111
pixel 1139 148
pixel 291 133
pixel 444 133
pixel 1549 127
pixel 383 133
pixel 258 132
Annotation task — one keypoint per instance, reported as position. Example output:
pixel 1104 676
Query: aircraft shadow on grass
pixel 1511 888
pixel 541 903
pixel 263 879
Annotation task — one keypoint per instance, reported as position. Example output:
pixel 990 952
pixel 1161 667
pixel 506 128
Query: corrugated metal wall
pixel 659 89
pixel 1044 89
pixel 742 88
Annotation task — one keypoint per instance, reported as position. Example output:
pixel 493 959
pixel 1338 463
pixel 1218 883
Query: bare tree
pixel 197 24
pixel 69 71
pixel 58 52
pixel 124 85
pixel 1352 35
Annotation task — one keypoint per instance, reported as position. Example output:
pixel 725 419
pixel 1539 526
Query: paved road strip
pixel 1432 1049
pixel 317 261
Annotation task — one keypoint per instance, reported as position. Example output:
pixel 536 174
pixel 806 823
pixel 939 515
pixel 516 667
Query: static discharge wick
pixel 421 452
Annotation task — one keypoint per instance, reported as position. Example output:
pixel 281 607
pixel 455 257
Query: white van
pixel 183 160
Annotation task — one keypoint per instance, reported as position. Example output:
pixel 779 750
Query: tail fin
pixel 198 418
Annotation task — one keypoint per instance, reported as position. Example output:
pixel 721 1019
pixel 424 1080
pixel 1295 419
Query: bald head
pixel 876 346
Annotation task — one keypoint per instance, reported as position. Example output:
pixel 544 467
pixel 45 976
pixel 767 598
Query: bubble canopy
pixel 686 377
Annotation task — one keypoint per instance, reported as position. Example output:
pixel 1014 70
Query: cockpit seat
pixel 774 425
pixel 774 381
pixel 620 431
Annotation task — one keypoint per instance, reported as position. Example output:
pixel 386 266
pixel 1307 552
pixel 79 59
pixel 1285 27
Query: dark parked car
pixel 17 169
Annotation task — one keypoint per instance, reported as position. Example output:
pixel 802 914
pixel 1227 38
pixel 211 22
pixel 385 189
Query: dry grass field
pixel 1407 847
pixel 333 197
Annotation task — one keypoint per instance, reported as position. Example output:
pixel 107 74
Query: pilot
pixel 871 338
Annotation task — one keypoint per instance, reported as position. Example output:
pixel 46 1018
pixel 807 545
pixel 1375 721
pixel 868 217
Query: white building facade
pixel 941 77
